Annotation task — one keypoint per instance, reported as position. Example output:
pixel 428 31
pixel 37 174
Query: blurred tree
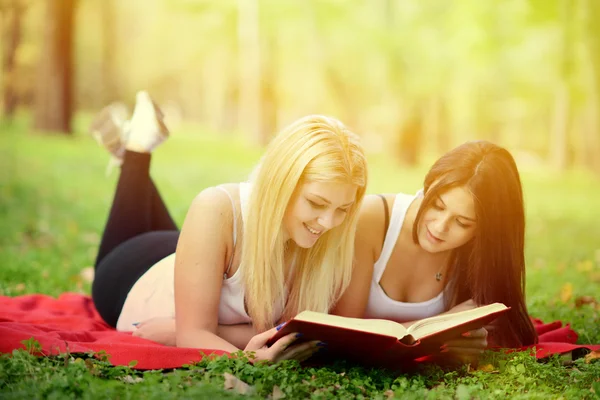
pixel 268 85
pixel 592 130
pixel 109 51
pixel 11 21
pixel 249 69
pixel 559 143
pixel 411 134
pixel 54 99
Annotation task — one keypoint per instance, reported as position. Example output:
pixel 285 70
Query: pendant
pixel 438 276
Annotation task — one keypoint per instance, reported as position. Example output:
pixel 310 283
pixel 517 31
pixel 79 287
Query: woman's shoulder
pixel 220 199
pixel 371 223
pixel 374 205
pixel 219 193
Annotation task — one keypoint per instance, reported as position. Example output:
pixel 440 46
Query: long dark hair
pixel 491 266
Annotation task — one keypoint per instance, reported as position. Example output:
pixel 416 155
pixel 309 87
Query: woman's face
pixel 449 222
pixel 315 208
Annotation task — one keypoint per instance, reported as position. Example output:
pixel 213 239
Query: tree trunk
pixel 560 128
pixel 410 136
pixel 559 142
pixel 54 97
pixel 12 15
pixel 249 68
pixel 592 8
pixel 109 51
pixel 268 90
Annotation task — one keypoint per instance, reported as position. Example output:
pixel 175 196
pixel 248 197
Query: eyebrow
pixel 459 216
pixel 328 202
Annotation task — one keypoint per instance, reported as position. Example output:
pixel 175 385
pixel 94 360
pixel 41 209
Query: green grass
pixel 54 199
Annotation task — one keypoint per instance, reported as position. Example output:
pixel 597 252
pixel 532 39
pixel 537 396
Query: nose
pixel 442 224
pixel 326 220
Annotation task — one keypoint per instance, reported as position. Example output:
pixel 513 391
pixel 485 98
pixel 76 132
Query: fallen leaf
pixel 389 393
pixel 92 367
pixel 483 368
pixel 486 368
pixel 277 393
pixel 585 266
pixel 232 382
pixel 131 379
pixel 581 300
pixel 566 292
pixel 87 274
pixel 539 263
pixel 90 238
pixel 73 227
pixel 594 355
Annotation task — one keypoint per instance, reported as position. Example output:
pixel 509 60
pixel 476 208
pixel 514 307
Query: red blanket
pixel 71 323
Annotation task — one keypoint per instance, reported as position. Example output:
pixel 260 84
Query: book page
pixel 378 326
pixel 439 323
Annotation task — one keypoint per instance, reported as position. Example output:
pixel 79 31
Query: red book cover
pixel 378 348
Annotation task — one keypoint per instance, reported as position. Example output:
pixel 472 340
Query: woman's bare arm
pixel 199 268
pixel 238 335
pixel 162 330
pixel 369 235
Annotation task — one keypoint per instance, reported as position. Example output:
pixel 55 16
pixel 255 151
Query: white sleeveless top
pixel 380 305
pixel 153 295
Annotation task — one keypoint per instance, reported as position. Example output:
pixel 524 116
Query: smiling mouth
pixel 313 231
pixel 435 238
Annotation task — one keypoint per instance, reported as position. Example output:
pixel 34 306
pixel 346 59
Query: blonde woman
pixel 249 255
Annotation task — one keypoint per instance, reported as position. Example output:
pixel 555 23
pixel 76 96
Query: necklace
pixel 439 275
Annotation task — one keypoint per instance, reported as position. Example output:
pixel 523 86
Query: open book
pixel 370 339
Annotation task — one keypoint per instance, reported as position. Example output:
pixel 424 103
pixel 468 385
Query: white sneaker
pixel 146 129
pixel 107 128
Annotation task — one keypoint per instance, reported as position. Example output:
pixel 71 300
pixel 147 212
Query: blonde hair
pixel 312 149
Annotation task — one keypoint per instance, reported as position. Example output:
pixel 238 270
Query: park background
pixel 412 78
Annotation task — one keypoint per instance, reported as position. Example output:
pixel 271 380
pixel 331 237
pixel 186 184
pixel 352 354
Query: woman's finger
pixel 476 343
pixel 463 351
pixel 290 351
pixel 307 354
pixel 283 343
pixel 476 333
pixel 260 340
pixel 300 351
pixel 474 338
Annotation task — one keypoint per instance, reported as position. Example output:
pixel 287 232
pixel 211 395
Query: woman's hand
pixel 464 306
pixel 468 347
pixel 160 330
pixel 283 349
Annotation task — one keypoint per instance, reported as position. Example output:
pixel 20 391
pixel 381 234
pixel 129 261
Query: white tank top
pixel 153 295
pixel 380 305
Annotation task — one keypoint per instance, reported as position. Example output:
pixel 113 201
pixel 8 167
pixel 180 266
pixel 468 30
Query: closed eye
pixel 316 205
pixel 462 225
pixel 438 206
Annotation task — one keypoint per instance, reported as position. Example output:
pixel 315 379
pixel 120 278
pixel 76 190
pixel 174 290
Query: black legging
pixel 139 233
